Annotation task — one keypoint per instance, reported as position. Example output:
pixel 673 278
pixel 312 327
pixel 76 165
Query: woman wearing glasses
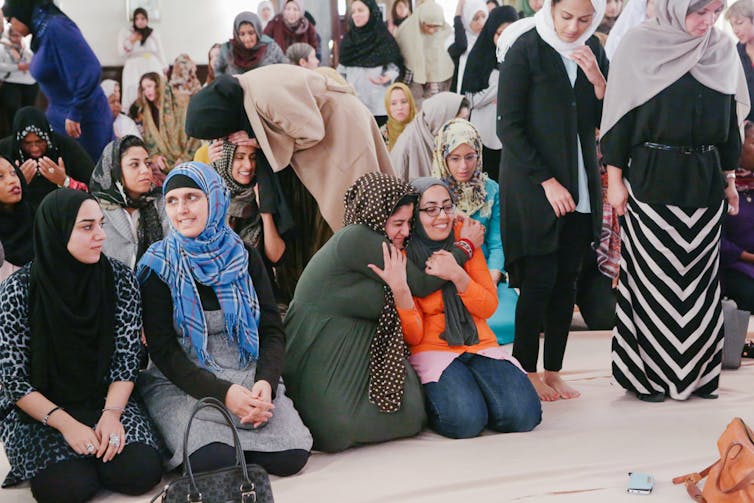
pixel 469 381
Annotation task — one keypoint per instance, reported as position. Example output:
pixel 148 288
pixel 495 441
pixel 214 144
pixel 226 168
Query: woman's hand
pixel 497 276
pixel 584 57
pixel 394 273
pixel 242 403
pixel 471 230
pixel 28 169
pixel 109 425
pixel 54 172
pixel 443 265
pixel 72 128
pixel 459 7
pixel 558 197
pixel 134 37
pixel 242 138
pixel 23 67
pixel 215 150
pixel 731 195
pixel 262 410
pixel 82 439
pixel 617 193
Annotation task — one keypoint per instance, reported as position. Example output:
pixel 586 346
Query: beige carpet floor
pixel 581 452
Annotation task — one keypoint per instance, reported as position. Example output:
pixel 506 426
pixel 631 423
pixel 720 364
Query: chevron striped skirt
pixel 669 333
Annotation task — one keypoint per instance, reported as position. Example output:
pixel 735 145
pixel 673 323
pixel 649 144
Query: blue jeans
pixel 476 391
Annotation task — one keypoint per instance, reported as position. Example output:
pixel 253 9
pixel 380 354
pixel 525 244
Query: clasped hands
pixel 46 167
pixel 252 406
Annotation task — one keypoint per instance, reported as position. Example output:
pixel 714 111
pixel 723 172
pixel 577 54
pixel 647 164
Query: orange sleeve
pixel 412 325
pixel 480 298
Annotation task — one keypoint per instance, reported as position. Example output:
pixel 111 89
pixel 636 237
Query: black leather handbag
pixel 241 483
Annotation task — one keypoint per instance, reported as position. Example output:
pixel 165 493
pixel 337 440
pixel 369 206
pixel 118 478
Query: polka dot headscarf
pixel 370 201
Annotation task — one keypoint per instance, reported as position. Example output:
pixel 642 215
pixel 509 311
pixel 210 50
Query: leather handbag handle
pixel 744 482
pixel 213 403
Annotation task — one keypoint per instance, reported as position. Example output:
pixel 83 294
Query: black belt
pixel 699 149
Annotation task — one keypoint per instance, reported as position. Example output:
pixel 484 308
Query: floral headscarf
pixel 470 196
pixel 183 78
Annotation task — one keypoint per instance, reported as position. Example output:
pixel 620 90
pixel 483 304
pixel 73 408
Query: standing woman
pixel 421 38
pixel 67 71
pixel 214 329
pixel 401 110
pixel 369 58
pixel 133 208
pixel 265 11
pixel 552 82
pixel 741 18
pixel 467 25
pixel 291 26
pixel 480 83
pixel 17 87
pixel 399 12
pixel 671 146
pixel 70 323
pixel 141 47
pixel 248 49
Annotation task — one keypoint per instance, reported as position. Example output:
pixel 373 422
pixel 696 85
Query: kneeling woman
pixel 69 341
pixel 469 380
pixel 229 342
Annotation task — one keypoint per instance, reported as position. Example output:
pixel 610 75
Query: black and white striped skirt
pixel 669 334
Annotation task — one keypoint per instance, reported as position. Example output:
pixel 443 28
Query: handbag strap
pixel 747 480
pixel 691 480
pixel 213 403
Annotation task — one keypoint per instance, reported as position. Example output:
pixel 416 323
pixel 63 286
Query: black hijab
pixel 107 185
pixel 32 120
pixel 146 31
pixel 16 227
pixel 72 312
pixel 482 58
pixel 217 111
pixel 34 14
pixel 371 45
pixel 460 329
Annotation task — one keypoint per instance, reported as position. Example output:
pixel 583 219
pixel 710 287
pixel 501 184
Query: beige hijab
pixel 659 52
pixel 426 55
pixel 413 152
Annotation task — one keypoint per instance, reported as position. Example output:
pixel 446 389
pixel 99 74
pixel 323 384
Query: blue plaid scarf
pixel 216 258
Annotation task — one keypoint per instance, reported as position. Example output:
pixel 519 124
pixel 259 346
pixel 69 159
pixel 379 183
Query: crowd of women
pixel 344 257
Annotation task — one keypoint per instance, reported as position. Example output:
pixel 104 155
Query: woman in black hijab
pixel 15 219
pixel 70 323
pixel 48 160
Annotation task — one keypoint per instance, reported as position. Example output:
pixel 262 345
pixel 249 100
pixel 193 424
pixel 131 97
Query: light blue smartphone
pixel 640 483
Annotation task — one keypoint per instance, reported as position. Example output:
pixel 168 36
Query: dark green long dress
pixel 329 327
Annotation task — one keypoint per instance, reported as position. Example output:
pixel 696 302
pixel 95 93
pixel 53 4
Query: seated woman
pixel 70 323
pixel 229 343
pixel 16 220
pixel 345 366
pixel 48 160
pixel 413 151
pixel 401 110
pixel 469 380
pixel 459 164
pixel 183 79
pixel 248 49
pixel 737 242
pixel 162 114
pixel 134 209
pixel 122 124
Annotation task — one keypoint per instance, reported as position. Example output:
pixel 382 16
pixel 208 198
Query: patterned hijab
pixel 243 211
pixel 183 78
pixel 394 126
pixel 370 45
pixel 370 201
pixel 460 329
pixel 216 258
pixel 107 186
pixel 470 196
pixel 32 120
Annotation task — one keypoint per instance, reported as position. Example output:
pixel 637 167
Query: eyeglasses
pixel 468 158
pixel 434 211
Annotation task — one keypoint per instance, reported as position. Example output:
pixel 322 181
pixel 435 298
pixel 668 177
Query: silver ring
pixel 89 448
pixel 51 170
pixel 114 440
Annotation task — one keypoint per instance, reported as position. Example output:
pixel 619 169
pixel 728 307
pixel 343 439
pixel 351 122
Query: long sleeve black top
pixel 685 114
pixel 166 352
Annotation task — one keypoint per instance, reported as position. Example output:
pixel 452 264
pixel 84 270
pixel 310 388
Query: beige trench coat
pixel 314 124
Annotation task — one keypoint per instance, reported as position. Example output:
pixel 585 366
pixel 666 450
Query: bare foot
pixel 546 393
pixel 555 382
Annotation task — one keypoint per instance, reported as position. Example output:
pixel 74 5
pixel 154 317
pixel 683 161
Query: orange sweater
pixel 423 324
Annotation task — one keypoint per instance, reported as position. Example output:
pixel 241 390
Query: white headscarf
pixel 108 86
pixel 657 53
pixel 633 14
pixel 470 8
pixel 545 25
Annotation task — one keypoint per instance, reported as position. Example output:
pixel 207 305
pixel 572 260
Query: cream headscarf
pixel 426 55
pixel 545 26
pixel 633 14
pixel 657 53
